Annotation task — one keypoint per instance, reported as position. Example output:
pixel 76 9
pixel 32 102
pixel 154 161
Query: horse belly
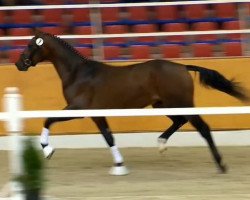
pixel 124 97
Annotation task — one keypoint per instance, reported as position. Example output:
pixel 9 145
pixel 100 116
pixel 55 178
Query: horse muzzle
pixel 22 66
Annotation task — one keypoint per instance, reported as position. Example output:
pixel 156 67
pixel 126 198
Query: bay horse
pixel 90 84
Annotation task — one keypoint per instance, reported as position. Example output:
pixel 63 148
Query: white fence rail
pixel 113 5
pixel 129 35
pixel 125 112
pixel 14 115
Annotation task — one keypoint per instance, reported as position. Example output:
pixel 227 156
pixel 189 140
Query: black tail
pixel 214 79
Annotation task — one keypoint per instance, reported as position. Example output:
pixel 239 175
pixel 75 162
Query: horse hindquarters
pixel 174 85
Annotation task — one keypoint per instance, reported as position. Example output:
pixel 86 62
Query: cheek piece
pixel 39 43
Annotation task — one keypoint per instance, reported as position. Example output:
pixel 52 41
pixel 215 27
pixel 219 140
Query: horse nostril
pixel 19 66
pixel 27 62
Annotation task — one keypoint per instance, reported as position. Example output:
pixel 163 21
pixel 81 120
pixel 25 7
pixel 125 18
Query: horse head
pixel 35 52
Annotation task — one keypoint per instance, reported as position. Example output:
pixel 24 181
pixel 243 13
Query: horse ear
pixel 37 32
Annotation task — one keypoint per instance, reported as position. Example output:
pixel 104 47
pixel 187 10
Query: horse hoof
pixel 162 149
pixel 162 145
pixel 119 170
pixel 223 169
pixel 48 151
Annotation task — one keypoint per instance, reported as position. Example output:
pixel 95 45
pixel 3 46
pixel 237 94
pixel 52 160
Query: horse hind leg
pixel 178 122
pixel 204 130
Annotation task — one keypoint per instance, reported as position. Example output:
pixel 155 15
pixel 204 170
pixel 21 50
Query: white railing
pixel 120 5
pixel 14 115
pixel 126 112
pixel 127 35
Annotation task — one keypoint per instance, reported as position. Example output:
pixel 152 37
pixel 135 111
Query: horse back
pixel 141 84
pixel 99 85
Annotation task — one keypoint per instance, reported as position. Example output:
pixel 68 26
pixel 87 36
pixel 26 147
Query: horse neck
pixel 64 65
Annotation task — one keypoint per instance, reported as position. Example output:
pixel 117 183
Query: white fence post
pixel 12 102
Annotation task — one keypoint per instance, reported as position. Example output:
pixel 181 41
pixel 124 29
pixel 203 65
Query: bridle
pixel 28 60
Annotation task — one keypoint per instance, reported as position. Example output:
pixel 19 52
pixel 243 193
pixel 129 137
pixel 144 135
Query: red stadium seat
pixel 225 10
pixel 52 15
pixel 53 2
pixel 175 27
pixel 85 51
pixel 2 16
pixel 202 50
pixel 233 25
pixel 53 30
pixel 171 51
pixel 111 52
pixel 196 11
pixel 232 49
pixel 14 55
pixel 1 32
pixel 22 16
pixel 116 29
pixel 20 32
pixel 84 30
pixel 140 52
pixel 166 12
pixel 81 1
pixel 145 28
pixel 138 13
pixel 205 26
pixel 110 14
pixel 80 15
pixel 247 5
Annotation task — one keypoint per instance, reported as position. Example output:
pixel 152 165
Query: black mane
pixel 67 45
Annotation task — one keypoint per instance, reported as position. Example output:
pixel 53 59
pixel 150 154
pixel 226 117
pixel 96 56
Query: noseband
pixel 27 62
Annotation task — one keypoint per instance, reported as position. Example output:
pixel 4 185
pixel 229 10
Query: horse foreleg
pixel 119 168
pixel 105 131
pixel 48 150
pixel 178 121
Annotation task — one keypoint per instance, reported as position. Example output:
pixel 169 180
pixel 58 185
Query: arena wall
pixel 41 90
